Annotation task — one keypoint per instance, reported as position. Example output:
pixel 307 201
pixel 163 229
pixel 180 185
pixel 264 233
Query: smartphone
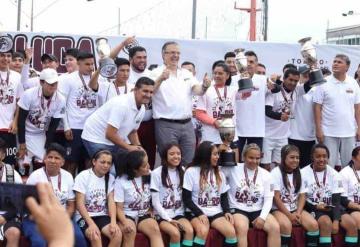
pixel 14 196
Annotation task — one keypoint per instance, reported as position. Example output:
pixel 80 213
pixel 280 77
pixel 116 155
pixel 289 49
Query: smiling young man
pixel 337 112
pixel 62 183
pixel 114 125
pixel 40 111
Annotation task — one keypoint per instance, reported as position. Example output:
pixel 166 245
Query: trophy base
pixel 108 68
pixel 227 158
pixel 316 77
pixel 245 85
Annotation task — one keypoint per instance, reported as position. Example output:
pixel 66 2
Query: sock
pixel 325 241
pixel 285 240
pixel 174 244
pixel 198 242
pixel 358 237
pixel 230 242
pixel 186 242
pixel 312 238
pixel 351 241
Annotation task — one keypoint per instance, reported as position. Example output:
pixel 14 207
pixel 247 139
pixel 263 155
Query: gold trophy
pixel 245 83
pixel 108 68
pixel 308 52
pixel 227 135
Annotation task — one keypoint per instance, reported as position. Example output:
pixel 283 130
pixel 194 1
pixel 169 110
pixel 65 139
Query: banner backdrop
pixel 201 52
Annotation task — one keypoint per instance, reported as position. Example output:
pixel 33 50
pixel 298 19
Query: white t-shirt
pixel 108 90
pixel 65 193
pixel 9 94
pixel 277 129
pixel 25 80
pixel 214 106
pixel 93 187
pixel 170 197
pixel 134 76
pixel 173 98
pixel 120 112
pixel 250 111
pixel 81 102
pixel 134 194
pixel 316 194
pixel 243 197
pixel 350 184
pixel 302 126
pixel 208 199
pixel 288 196
pixel 338 100
pixel 41 110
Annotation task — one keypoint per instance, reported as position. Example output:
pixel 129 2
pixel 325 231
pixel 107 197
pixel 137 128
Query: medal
pixel 251 187
pixel 87 96
pixel 321 189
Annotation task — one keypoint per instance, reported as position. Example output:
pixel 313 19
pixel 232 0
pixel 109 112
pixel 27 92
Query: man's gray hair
pixel 167 44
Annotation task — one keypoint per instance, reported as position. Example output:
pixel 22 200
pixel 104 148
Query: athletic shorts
pixel 250 215
pixel 190 216
pixel 272 150
pixel 100 222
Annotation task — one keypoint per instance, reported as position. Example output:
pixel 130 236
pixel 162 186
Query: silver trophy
pixel 308 52
pixel 107 65
pixel 6 42
pixel 245 83
pixel 227 135
pixel 128 47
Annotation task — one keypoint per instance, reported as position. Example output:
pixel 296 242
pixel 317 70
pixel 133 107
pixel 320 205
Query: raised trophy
pixel 245 83
pixel 6 42
pixel 107 65
pixel 227 134
pixel 308 52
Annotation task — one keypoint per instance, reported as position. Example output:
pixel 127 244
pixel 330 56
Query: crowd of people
pixel 95 139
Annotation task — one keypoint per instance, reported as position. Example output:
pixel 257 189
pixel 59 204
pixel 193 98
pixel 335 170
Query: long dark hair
pixel 133 161
pixel 202 159
pixel 95 157
pixel 285 150
pixel 164 162
pixel 354 153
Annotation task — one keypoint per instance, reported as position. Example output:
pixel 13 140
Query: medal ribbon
pixel 247 177
pixel 48 178
pixel 218 93
pixel 317 180
pixel 356 175
pixel 117 89
pixel 137 188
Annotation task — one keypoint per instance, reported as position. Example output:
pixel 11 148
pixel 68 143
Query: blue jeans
pixel 30 231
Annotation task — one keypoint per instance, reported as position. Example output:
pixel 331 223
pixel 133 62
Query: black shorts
pixel 77 152
pixel 11 147
pixel 250 215
pixel 349 211
pixel 317 213
pixel 100 222
pixel 12 223
pixel 190 216
pixel 159 219
pixel 141 218
pixel 60 138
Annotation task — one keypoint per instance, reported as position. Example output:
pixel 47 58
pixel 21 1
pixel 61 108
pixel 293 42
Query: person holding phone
pixel 96 212
pixel 133 200
pixel 62 184
pixel 323 189
pixel 205 195
pixel 166 192
pixel 10 225
pixel 251 196
pixel 289 198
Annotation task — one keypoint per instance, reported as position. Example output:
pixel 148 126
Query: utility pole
pixel 32 16
pixel 193 26
pixel 206 27
pixel 18 16
pixel 252 10
pixel 118 31
pixel 266 19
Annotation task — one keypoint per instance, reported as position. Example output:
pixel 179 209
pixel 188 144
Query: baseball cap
pixel 49 75
pixel 303 69
pixel 48 56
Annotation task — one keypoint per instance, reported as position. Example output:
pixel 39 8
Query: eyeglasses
pixel 172 52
